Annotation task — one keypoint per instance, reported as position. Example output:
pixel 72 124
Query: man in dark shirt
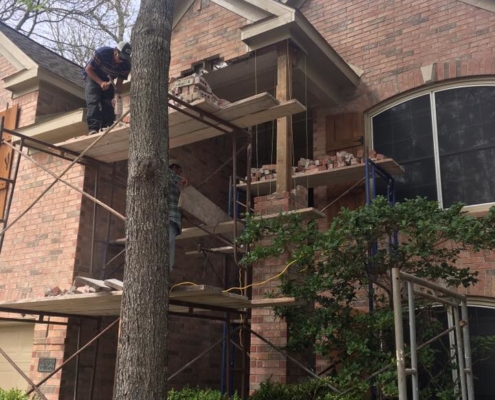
pixel 106 65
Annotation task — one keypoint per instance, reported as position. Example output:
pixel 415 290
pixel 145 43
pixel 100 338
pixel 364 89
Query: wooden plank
pixel 306 213
pixel 290 107
pixel 281 301
pixel 94 283
pixel 284 124
pixel 6 154
pixel 114 284
pixel 108 303
pixel 330 177
pixel 248 112
pixel 221 228
pixel 248 106
pixel 198 205
pixel 221 250
pixel 92 304
pixel 176 118
pixel 192 233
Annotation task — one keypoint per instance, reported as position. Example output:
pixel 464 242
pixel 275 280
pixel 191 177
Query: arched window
pixel 445 139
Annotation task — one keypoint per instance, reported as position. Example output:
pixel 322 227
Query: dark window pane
pixel 404 133
pixel 466 139
pixel 482 323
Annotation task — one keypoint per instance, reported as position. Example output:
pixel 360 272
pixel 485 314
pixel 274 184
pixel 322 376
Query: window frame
pixel 475 209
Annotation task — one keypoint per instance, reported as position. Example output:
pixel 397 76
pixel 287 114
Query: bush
pixel 196 394
pixel 310 390
pixel 13 394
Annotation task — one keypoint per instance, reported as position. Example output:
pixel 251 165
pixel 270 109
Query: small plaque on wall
pixel 46 364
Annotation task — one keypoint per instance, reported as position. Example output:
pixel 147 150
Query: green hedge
pixel 197 394
pixel 13 394
pixel 309 390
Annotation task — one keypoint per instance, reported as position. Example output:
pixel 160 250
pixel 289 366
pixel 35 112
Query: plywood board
pixel 221 250
pixel 185 130
pixel 290 107
pixel 108 303
pixel 224 228
pixel 231 112
pixel 306 213
pixel 199 206
pixel 352 173
pixel 91 304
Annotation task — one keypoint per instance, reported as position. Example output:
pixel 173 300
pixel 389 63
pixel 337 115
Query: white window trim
pixel 477 210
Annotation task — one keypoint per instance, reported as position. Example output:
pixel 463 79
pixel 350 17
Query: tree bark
pixel 142 355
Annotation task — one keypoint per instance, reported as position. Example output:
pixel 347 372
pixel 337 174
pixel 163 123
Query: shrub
pixel 197 394
pixel 310 390
pixel 13 394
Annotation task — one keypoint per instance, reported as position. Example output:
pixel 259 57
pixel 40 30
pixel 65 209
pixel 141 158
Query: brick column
pixel 267 364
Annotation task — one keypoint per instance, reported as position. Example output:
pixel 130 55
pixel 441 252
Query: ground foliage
pixel 334 268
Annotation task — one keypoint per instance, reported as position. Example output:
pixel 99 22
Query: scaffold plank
pixel 306 213
pixel 285 109
pixel 222 228
pixel 350 174
pixel 186 130
pixel 220 250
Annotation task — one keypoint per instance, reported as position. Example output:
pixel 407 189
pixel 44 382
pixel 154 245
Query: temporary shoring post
pixel 467 351
pixel 413 343
pixel 399 335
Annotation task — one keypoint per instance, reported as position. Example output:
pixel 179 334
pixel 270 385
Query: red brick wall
pixel 39 250
pixel 206 30
pixel 52 101
pixel 390 41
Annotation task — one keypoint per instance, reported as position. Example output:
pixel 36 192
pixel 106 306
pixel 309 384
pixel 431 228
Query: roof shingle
pixel 44 57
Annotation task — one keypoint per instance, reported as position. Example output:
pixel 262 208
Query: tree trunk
pixel 142 355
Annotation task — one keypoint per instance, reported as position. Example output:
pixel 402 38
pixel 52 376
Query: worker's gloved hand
pixel 105 85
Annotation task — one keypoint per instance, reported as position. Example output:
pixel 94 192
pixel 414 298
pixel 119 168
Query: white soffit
pixel 180 9
pixel 14 55
pixel 323 66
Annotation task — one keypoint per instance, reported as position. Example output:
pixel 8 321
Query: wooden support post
pixel 284 125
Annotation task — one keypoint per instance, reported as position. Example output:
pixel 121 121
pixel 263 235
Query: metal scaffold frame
pixel 74 157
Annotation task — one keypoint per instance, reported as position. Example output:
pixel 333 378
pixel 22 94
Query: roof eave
pixel 29 80
pixel 58 128
pixel 327 72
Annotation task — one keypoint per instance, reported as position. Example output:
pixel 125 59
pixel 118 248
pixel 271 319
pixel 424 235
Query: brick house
pixel 415 80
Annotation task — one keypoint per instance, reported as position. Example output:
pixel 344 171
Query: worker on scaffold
pixel 176 184
pixel 106 65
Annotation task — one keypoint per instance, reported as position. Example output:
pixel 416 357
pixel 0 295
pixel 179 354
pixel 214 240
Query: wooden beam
pixel 306 213
pixel 329 178
pixel 281 301
pixel 199 206
pixel 284 125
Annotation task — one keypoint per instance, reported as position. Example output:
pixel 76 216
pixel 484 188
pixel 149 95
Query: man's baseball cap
pixel 173 161
pixel 124 49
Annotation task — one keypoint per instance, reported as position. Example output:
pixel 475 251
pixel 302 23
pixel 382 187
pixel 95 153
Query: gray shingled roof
pixel 44 57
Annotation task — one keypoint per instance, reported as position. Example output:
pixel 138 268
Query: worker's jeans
pixel 100 112
pixel 173 231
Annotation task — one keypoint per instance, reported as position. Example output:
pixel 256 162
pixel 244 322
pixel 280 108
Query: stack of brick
pixel 274 203
pixel 309 166
pixel 194 87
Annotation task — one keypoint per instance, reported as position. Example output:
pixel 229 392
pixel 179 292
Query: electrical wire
pixel 242 287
